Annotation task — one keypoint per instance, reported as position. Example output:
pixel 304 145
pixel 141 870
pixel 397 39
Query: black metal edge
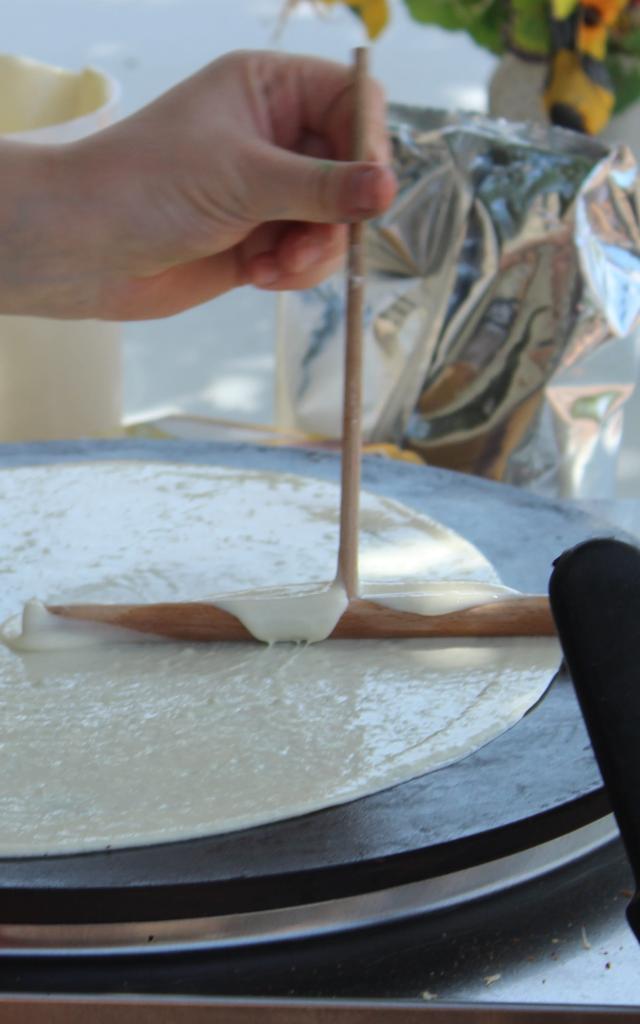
pixel 179 900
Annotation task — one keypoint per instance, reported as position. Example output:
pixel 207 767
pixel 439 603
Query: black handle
pixel 595 600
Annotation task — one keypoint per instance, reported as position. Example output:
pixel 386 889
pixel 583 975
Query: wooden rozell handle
pixel 352 399
pixel 202 622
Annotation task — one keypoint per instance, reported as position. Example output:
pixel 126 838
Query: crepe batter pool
pixel 122 744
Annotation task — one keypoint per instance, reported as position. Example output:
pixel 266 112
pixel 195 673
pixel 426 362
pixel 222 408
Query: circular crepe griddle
pixel 534 783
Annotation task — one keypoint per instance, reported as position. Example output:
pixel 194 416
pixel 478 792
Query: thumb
pixel 301 188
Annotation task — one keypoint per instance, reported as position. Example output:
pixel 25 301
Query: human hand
pixel 239 175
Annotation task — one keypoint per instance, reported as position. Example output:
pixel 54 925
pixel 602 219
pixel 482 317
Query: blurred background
pixel 219 360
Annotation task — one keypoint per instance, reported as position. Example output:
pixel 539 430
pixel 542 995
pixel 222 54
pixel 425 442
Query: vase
pixel 515 89
pixel 59 379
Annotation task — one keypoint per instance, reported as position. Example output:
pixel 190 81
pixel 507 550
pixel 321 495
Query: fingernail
pixel 264 274
pixel 364 192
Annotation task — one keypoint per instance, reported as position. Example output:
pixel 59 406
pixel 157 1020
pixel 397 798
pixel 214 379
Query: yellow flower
pixel 574 99
pixel 374 13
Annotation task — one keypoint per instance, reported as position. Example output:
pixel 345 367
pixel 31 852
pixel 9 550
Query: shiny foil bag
pixel 503 293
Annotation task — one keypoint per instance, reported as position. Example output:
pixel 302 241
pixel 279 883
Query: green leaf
pixel 625 75
pixel 483 20
pixel 628 42
pixel 529 31
pixel 436 12
pixel 488 31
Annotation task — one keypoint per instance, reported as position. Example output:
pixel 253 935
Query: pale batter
pixel 124 744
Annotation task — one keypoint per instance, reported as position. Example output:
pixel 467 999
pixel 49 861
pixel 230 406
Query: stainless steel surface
pixel 311 920
pixel 141 1010
pixel 560 939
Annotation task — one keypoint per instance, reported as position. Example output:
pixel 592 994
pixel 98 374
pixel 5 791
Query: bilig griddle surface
pixel 535 782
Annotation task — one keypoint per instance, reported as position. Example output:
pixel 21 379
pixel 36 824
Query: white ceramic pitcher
pixel 58 378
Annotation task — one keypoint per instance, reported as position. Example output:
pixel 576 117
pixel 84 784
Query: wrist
pixel 49 233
